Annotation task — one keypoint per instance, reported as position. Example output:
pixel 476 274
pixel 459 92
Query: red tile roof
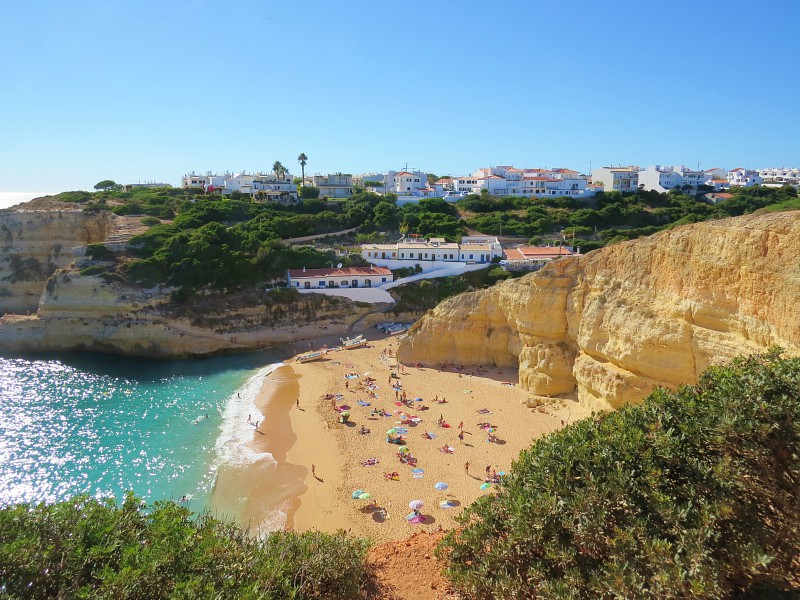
pixel 343 272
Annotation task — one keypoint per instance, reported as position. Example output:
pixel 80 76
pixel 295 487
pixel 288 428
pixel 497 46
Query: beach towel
pixel 351 376
pixel 484 411
pixel 417 473
pixel 370 462
pixel 362 403
pixel 402 430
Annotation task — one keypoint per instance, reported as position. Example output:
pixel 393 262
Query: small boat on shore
pixel 356 342
pixel 309 356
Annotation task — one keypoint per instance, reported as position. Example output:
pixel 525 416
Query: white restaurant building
pixel 342 277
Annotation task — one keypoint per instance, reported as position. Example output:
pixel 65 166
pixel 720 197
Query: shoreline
pixel 299 438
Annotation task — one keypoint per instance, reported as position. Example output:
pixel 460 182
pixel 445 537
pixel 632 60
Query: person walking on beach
pixel 488 470
pixel 297 403
pixel 314 471
pixel 466 467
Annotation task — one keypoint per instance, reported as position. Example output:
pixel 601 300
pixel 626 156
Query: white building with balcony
pixel 406 183
pixel 780 176
pixel 744 177
pixel 336 185
pixel 342 277
pixel 434 254
pixel 617 179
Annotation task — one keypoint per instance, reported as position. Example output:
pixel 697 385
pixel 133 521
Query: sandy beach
pixel 311 435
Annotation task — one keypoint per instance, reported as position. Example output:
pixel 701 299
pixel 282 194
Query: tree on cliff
pixel 691 494
pixel 106 184
pixel 303 159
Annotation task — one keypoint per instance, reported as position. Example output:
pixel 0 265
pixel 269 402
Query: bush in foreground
pixel 86 548
pixel 693 494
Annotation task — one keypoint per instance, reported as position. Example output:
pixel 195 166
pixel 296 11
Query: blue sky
pixel 140 90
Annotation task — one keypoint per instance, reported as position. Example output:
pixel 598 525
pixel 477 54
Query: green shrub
pixel 93 270
pixel 693 494
pixel 89 548
pixel 149 221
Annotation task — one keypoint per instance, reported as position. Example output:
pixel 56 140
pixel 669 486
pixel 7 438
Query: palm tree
pixel 302 160
pixel 279 169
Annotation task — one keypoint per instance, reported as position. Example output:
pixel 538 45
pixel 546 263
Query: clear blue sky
pixel 143 90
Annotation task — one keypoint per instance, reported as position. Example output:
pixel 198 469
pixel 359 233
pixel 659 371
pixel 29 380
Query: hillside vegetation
pixel 198 241
pixel 87 548
pixel 693 494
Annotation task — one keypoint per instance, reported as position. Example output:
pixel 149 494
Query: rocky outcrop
pixel 49 301
pixel 84 312
pixel 34 244
pixel 612 325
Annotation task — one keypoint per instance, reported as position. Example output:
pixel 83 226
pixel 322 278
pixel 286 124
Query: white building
pixel 343 277
pixel 780 176
pixel 509 181
pixel 406 183
pixel 662 179
pixel 433 254
pixel 336 185
pixel 744 177
pixel 617 179
pixel 262 185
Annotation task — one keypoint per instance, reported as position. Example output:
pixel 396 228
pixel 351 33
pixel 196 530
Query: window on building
pixel 383 279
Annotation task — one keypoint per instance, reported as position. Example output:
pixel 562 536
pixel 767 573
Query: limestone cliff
pixel 46 304
pixel 612 325
pixel 34 244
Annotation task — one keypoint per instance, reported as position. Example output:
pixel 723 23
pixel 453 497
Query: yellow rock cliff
pixel 612 325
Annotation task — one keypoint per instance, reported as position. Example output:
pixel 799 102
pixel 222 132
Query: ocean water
pixel 102 425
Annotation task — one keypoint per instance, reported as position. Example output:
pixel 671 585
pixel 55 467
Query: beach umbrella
pixel 410 516
pixel 441 486
pixel 391 431
pixel 403 449
pixel 490 430
pixel 365 496
pixel 418 400
pixel 485 486
pixel 445 504
pixel 416 504
pixel 356 494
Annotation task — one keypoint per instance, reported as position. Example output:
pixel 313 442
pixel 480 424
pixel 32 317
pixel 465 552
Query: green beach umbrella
pixel 365 496
pixel 403 449
pixel 485 486
pixel 391 431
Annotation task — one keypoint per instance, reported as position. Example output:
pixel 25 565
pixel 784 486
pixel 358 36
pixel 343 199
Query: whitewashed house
pixel 744 177
pixel 336 185
pixel 659 178
pixel 780 176
pixel 617 179
pixel 342 277
pixel 433 254
pixel 406 183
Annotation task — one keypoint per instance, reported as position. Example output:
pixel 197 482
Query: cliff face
pixel 615 323
pixel 34 244
pixel 47 305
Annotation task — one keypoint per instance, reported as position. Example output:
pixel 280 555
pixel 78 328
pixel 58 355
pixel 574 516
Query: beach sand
pixel 311 435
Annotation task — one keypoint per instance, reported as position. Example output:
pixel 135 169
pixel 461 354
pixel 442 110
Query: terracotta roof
pixel 343 272
pixel 543 251
pixel 724 195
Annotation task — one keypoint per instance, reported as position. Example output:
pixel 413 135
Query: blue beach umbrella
pixel 441 486
pixel 356 494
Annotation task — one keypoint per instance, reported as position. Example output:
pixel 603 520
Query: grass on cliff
pixel 693 494
pixel 88 548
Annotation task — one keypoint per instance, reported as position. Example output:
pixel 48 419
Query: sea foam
pixel 236 432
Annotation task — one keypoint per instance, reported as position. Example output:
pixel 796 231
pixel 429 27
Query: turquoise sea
pixel 102 425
